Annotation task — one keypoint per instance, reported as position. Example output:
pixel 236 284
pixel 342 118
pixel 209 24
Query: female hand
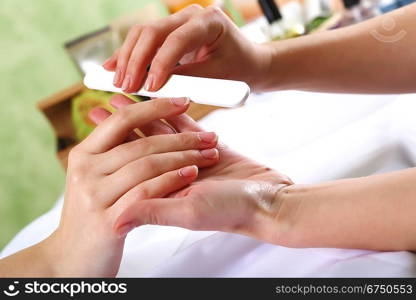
pixel 106 177
pixel 236 195
pixel 204 41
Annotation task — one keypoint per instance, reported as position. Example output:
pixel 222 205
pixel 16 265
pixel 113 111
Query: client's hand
pixel 107 177
pixel 236 195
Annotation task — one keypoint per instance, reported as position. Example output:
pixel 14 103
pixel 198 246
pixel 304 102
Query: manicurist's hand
pixel 235 195
pixel 204 41
pixel 106 177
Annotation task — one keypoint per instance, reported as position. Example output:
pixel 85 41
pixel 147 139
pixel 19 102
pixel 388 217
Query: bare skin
pixel 208 44
pixel 347 60
pixel 233 193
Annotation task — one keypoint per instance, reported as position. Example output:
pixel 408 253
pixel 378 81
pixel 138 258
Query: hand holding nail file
pixel 218 92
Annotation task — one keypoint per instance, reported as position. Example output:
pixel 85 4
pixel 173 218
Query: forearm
pixel 376 212
pixel 35 261
pixel 349 59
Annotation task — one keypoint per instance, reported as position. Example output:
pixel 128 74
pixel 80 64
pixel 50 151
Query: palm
pixel 230 191
pixel 234 166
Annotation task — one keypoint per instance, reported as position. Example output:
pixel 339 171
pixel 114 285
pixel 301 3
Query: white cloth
pixel 311 137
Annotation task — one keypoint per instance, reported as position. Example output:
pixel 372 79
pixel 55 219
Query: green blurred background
pixel 34 65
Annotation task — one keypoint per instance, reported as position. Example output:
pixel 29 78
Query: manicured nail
pixel 149 82
pixel 117 77
pixel 125 229
pixel 126 82
pixel 207 137
pixel 188 171
pixel 180 101
pixel 209 153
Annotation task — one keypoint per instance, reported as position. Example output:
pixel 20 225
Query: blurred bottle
pixel 275 29
pixel 352 13
pixel 293 18
pixel 284 23
pixel 357 11
pixel 316 13
pixel 370 9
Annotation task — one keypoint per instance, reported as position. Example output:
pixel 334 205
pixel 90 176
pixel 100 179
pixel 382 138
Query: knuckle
pixel 189 139
pixel 132 65
pixel 199 25
pixel 194 7
pixel 75 176
pixel 151 30
pixel 158 104
pixel 90 197
pixel 213 11
pixel 75 156
pixel 144 145
pixel 191 156
pixel 136 28
pixel 143 193
pixel 159 65
pixel 122 59
pixel 122 115
pixel 148 163
pixel 176 37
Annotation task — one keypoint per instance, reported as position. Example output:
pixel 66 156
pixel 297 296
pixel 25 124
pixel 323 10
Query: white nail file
pixel 218 92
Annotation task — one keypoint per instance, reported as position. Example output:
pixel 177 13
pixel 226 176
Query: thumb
pixel 163 211
pixel 207 69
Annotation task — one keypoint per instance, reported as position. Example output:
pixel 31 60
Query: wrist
pixel 279 224
pixel 287 65
pixel 261 70
pixel 48 251
pixel 272 218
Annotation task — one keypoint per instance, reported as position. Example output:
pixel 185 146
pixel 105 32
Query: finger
pixel 111 63
pixel 156 127
pixel 202 30
pixel 206 68
pixel 125 153
pixel 124 54
pixel 184 123
pixel 99 114
pixel 155 165
pixel 160 211
pixel 115 129
pixel 146 46
pixel 158 187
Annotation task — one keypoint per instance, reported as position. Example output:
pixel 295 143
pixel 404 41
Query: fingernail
pixel 93 117
pixel 125 229
pixel 188 171
pixel 126 82
pixel 209 153
pixel 180 101
pixel 207 137
pixel 149 82
pixel 116 77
